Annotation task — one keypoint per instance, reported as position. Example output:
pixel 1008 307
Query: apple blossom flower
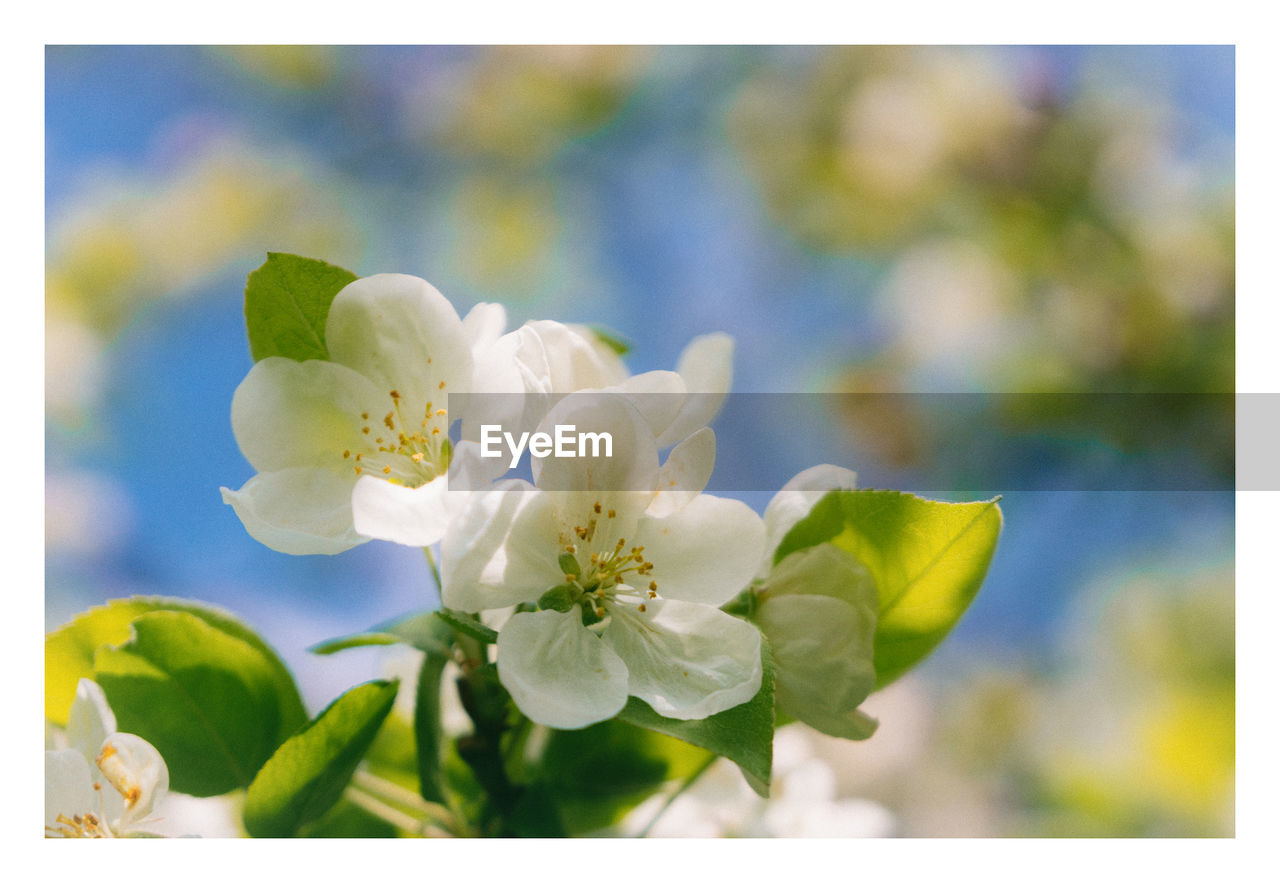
pixel 557 358
pixel 357 447
pixel 628 598
pixel 106 783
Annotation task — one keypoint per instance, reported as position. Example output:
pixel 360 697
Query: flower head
pixel 557 358
pixel 106 783
pixel 627 598
pixel 357 447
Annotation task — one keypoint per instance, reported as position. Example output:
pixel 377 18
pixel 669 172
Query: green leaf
pixel 359 639
pixel 309 772
pixel 69 652
pixel 599 773
pixel 427 727
pixel 432 635
pixel 610 338
pixel 422 631
pixel 472 628
pixel 346 819
pixel 744 733
pixel 286 305
pixel 205 699
pixel 928 558
pixel 535 813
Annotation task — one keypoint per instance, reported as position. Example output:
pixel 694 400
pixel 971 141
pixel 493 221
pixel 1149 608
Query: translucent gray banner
pixel 957 443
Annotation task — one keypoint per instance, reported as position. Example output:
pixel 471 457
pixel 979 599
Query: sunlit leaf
pixel 69 652
pixel 928 559
pixel 309 772
pixel 205 699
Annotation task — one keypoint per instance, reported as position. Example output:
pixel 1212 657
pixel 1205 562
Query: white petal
pixel 707 363
pixel 403 335
pixel 706 551
pixel 571 357
pixel 298 511
pixel 483 324
pixel 410 516
pixel 825 569
pixel 685 473
pixel 287 413
pixel 688 661
pixel 822 651
pixel 502 549
pixel 468 471
pixel 68 786
pixel 796 498
pixel 532 358
pixel 658 395
pixel 498 371
pixel 558 671
pixel 90 720
pixel 706 367
pixel 135 769
pixel 631 463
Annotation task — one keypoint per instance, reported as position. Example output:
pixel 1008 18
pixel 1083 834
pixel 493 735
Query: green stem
pixel 435 571
pixel 684 786
pixel 388 814
pixel 394 794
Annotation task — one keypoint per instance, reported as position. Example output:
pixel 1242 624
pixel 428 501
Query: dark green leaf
pixel 286 305
pixel 928 559
pixel 599 773
pixel 744 733
pixel 472 628
pixel 205 699
pixel 309 772
pixel 427 727
pixel 535 814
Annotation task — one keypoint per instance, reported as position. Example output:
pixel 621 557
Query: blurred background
pixel 1032 220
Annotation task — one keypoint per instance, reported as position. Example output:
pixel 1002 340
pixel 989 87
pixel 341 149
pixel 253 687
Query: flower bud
pixel 818 610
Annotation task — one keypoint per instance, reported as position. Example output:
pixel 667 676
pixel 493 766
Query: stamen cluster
pixel 604 578
pixel 403 454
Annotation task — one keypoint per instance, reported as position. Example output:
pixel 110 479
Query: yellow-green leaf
pixel 69 652
pixel 928 558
